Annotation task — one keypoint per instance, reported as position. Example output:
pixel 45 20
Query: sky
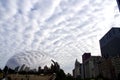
pixel 33 32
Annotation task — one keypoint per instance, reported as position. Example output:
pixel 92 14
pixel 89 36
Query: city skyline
pixel 61 30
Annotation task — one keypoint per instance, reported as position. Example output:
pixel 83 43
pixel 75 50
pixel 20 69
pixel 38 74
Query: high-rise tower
pixel 110 43
pixel 118 2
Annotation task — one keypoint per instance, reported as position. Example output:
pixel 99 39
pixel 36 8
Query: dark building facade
pixel 110 50
pixel 118 2
pixel 107 69
pixel 91 67
pixel 86 56
pixel 110 43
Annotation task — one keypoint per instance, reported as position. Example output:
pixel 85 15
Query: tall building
pixel 118 2
pixel 116 66
pixel 107 70
pixel 110 68
pixel 110 50
pixel 110 43
pixel 77 70
pixel 85 56
pixel 91 66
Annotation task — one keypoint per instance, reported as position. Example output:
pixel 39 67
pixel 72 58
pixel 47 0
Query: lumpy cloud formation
pixel 64 29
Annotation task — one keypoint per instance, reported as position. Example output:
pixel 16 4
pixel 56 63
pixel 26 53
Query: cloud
pixel 63 29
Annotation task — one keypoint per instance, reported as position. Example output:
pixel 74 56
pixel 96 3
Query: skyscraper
pixel 85 56
pixel 110 43
pixel 118 2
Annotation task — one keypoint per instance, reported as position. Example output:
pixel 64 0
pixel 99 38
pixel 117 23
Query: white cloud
pixel 63 29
